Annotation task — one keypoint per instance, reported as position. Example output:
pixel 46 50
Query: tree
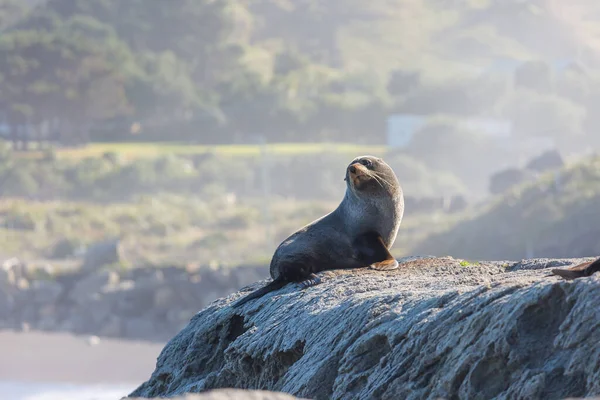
pixel 545 116
pixel 197 32
pixel 75 72
pixel 11 11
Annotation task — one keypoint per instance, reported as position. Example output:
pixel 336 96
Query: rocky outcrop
pixel 434 328
pixel 234 394
pixel 142 303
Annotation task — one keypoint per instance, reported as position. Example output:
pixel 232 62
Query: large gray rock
pixel 235 394
pixel 434 328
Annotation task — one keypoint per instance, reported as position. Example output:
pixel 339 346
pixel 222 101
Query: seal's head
pixel 371 175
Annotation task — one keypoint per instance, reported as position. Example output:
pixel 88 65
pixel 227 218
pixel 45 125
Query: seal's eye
pixel 366 163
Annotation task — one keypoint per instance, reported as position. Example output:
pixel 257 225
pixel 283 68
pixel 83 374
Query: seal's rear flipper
pixel 312 280
pixel 373 252
pixel 578 271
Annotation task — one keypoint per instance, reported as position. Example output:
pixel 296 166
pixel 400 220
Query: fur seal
pixel 578 271
pixel 357 234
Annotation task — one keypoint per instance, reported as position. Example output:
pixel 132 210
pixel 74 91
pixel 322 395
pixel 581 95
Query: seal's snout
pixel 356 169
pixel 357 174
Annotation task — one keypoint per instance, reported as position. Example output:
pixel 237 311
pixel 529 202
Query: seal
pixel 578 271
pixel 357 234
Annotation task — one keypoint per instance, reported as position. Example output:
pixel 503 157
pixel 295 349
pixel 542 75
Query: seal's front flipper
pixel 386 265
pixel 372 252
pixel 578 271
pixel 311 281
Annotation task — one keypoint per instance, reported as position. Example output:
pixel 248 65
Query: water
pixel 10 390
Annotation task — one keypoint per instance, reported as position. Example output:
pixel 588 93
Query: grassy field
pixel 138 150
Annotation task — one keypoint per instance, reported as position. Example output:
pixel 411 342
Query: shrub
pixel 65 248
pixel 21 221
pixel 18 181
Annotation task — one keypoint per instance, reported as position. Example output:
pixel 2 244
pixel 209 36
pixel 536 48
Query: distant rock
pixel 434 328
pixel 103 253
pixel 46 292
pixel 64 248
pixel 91 286
pixel 11 271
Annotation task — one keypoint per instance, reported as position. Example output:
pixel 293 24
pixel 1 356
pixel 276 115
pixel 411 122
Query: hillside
pixel 553 217
pixel 229 70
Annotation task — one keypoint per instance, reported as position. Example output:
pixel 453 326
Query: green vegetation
pixel 294 71
pixel 557 216
pixel 170 229
pixel 122 172
pixel 171 113
pixel 465 263
pixel 171 206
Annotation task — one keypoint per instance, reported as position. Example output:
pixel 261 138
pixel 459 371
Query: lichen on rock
pixel 434 328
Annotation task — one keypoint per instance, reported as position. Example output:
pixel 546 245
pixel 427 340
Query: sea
pixel 10 390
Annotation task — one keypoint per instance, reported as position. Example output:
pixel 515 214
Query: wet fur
pixel 357 234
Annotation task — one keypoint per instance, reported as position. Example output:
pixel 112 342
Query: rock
pixel 11 271
pixel 64 248
pixel 234 394
pixel 434 328
pixel 164 298
pixel 134 302
pixel 46 292
pixel 98 311
pixel 44 271
pixel 47 310
pixel 22 284
pixel 102 253
pixel 91 286
pixel 7 304
pixel 7 277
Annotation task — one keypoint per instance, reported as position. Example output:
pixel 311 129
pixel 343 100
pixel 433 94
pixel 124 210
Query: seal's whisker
pixel 380 179
pixel 375 177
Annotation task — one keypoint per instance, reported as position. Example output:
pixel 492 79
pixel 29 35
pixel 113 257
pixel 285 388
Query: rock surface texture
pixel 434 328
pixel 233 394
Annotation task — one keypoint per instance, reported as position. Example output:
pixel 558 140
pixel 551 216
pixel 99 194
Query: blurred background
pixel 154 153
